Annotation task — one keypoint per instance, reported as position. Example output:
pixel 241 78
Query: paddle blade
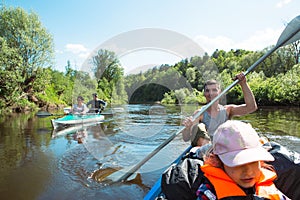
pixel 112 175
pixel 119 175
pixel 43 114
pixel 291 33
pixel 46 114
pixel 101 174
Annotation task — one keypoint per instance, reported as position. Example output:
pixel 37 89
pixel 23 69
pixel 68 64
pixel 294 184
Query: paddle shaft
pixel 48 114
pixel 51 114
pixel 198 114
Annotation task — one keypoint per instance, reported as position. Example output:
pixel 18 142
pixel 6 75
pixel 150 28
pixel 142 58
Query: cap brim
pixel 241 157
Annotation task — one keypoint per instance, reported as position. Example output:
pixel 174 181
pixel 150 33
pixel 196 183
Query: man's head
pixel 95 95
pixel 211 89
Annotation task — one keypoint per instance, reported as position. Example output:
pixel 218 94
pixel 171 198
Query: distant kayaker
pixel 217 114
pixel 235 168
pixel 97 105
pixel 80 107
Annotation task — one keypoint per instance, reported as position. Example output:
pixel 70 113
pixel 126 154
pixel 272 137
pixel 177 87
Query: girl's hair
pixel 80 97
pixel 212 159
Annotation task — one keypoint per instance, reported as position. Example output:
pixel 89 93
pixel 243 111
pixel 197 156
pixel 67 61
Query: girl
pixel 235 168
pixel 80 107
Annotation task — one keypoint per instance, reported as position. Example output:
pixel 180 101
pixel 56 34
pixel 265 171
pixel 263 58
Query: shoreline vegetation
pixel 28 81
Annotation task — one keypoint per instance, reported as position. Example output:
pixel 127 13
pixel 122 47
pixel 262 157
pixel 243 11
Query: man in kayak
pixel 237 162
pixel 97 105
pixel 217 113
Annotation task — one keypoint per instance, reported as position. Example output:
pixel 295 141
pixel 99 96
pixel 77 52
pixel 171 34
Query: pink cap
pixel 237 143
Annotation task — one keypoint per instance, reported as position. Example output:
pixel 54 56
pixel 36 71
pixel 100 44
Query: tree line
pixel 29 82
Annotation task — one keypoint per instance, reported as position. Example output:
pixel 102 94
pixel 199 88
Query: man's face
pixel 211 91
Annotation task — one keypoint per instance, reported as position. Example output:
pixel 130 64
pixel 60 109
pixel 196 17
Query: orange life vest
pixel 226 187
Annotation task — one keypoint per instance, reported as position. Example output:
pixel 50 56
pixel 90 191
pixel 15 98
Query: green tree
pixel 84 85
pixel 107 68
pixel 27 47
pixel 191 75
pixel 10 76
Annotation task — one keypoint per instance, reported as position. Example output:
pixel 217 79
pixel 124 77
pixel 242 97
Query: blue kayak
pixel 69 120
pixel 156 190
pixel 286 165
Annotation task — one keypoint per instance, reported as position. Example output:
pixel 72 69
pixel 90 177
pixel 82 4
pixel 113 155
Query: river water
pixel 40 163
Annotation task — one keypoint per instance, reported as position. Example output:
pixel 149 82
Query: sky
pixel 149 33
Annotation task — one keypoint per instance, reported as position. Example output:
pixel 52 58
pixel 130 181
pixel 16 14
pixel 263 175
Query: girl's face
pixel 244 175
pixel 211 91
pixel 79 101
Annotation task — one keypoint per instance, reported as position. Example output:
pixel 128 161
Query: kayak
pixel 156 190
pixel 70 120
pixel 286 165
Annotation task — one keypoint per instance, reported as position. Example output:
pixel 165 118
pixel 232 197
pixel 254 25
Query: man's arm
pixel 250 103
pixel 103 103
pixel 88 103
pixel 189 123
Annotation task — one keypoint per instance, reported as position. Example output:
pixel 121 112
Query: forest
pixel 28 81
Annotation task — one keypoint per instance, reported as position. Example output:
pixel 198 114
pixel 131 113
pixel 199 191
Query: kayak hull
pixel 70 120
pixel 156 191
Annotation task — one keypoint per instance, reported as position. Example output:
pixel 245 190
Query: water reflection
pixel 40 163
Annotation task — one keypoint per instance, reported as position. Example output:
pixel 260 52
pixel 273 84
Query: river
pixel 40 163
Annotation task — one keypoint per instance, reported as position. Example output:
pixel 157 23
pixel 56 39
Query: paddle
pixel 47 114
pixel 290 34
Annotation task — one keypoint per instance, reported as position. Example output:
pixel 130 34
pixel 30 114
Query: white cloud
pixel 76 48
pixel 57 51
pixel 75 53
pixel 80 51
pixel 211 44
pixel 281 3
pixel 258 41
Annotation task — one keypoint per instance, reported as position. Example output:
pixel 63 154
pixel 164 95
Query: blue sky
pixel 81 26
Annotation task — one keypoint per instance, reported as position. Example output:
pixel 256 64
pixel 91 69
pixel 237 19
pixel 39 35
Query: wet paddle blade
pixel 291 33
pixel 111 175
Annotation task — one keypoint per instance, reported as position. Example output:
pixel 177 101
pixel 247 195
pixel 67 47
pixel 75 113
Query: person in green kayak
pixel 97 105
pixel 80 107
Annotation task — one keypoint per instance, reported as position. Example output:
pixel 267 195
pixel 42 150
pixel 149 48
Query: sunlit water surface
pixel 40 163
